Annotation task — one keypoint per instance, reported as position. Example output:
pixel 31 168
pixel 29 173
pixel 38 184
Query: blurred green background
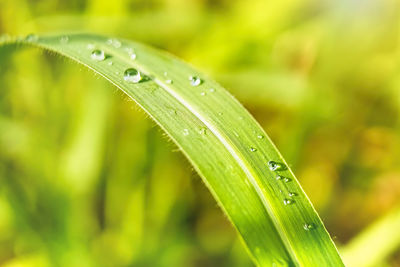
pixel 86 179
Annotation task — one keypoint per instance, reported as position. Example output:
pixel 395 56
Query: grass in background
pixel 322 78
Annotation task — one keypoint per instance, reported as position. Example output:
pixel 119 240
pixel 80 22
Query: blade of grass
pixel 362 250
pixel 237 161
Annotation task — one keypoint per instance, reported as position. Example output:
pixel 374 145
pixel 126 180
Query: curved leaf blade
pixel 227 147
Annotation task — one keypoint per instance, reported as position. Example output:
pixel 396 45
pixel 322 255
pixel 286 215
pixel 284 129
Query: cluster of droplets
pixel 130 75
pixel 276 167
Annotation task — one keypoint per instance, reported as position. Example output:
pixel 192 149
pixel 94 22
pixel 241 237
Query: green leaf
pixel 234 156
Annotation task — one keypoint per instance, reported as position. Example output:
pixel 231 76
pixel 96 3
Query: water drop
pixel 292 194
pixel 203 131
pixel 98 55
pixel 195 81
pixel 110 63
pixel 260 136
pixel 203 93
pixel 288 201
pixel 64 39
pixel 169 81
pixel 253 149
pixel 278 177
pixel 114 42
pixel 132 75
pixel 133 56
pixel 308 226
pixel 31 37
pixel 171 110
pixel 212 90
pixel 275 166
pixel 220 113
pixel 286 180
pixel 185 132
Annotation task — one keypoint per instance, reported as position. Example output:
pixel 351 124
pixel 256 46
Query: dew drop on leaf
pixel 275 166
pixel 288 201
pixel 185 132
pixel 292 194
pixel 278 177
pixel 64 39
pixel 31 37
pixel 203 131
pixel 260 136
pixel 253 149
pixel 203 93
pixel 212 90
pixel 308 226
pixel 194 81
pixel 114 42
pixel 98 55
pixel 133 56
pixel 286 179
pixel 132 75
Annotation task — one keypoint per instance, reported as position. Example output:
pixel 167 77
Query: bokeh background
pixel 86 179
